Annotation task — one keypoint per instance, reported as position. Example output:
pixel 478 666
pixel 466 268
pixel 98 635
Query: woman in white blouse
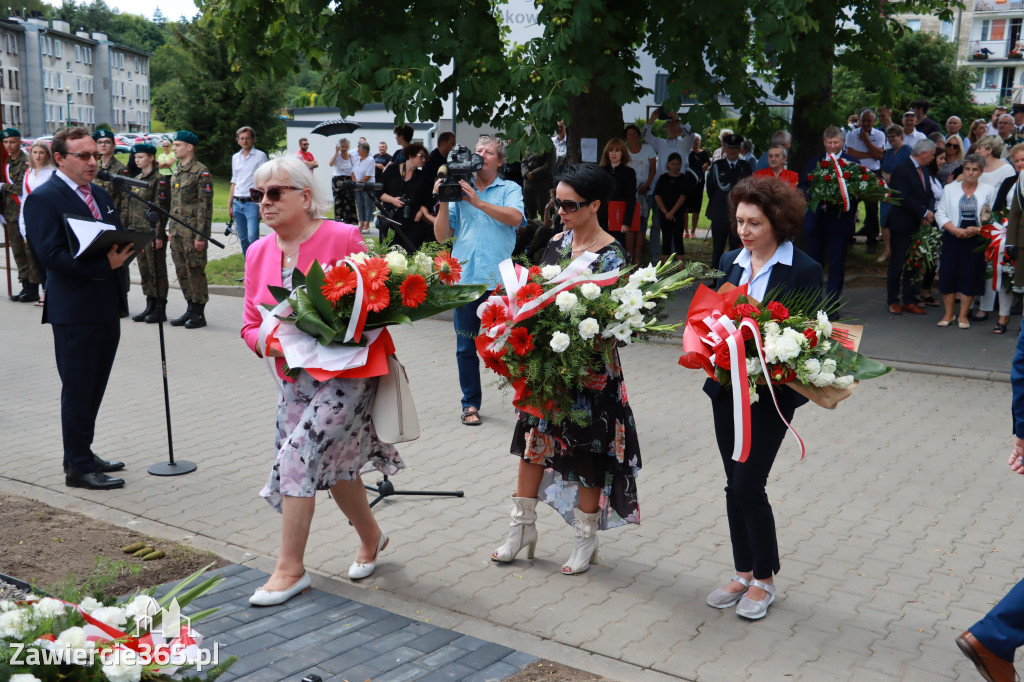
pixel 995 169
pixel 40 168
pixel 343 164
pixel 959 214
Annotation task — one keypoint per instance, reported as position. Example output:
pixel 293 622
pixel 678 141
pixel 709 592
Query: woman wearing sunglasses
pixel 324 435
pixel 587 473
pixel 950 170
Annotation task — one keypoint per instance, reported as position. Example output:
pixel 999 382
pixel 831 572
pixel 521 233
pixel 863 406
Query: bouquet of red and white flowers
pixel 552 330
pixel 925 247
pixel 999 266
pixel 330 322
pixel 841 182
pixel 791 341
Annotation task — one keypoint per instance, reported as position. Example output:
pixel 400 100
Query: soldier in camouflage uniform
pixel 192 203
pixel 13 177
pixel 153 258
pixel 106 145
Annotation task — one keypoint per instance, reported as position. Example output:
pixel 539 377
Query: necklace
pixel 584 248
pixel 289 257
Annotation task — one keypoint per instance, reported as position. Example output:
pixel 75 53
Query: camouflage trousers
pixel 28 271
pixel 153 268
pixel 190 266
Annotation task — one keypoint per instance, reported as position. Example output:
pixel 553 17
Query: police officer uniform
pixel 721 178
pixel 192 203
pixel 152 261
pixel 13 178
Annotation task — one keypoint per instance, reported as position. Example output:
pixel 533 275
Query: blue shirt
pixel 481 242
pixel 891 157
pixel 758 287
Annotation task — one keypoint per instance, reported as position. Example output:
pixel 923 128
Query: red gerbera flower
pixel 521 341
pixel 375 272
pixel 377 299
pixel 448 269
pixel 413 291
pixel 493 315
pixel 338 281
pixel 528 292
pixel 534 271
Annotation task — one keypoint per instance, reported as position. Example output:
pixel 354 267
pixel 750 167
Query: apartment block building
pixel 51 77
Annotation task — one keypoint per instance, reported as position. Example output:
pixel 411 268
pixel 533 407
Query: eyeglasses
pixel 272 193
pixel 85 156
pixel 421 155
pixel 569 206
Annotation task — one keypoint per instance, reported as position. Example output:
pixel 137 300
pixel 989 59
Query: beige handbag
pixel 394 412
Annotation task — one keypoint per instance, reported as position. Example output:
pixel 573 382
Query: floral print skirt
pixel 604 454
pixel 325 435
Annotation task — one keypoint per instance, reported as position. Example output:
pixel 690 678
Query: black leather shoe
pixel 94 480
pixel 103 465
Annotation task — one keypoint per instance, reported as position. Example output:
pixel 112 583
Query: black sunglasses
pixel 569 206
pixel 272 193
pixel 85 156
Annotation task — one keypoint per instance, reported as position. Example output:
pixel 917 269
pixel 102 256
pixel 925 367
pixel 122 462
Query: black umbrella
pixel 337 126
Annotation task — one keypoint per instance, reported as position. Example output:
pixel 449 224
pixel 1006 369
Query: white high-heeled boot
pixel 522 532
pixel 585 549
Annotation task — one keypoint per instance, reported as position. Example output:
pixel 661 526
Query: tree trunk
pixel 594 114
pixel 812 99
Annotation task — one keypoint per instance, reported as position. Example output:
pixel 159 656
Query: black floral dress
pixel 604 454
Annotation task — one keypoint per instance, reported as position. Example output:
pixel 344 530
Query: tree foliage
pixel 201 95
pixel 126 29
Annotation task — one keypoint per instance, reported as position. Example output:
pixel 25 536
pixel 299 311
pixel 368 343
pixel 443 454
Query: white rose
pixel 823 379
pixel 73 638
pixel 812 367
pixel 111 615
pixel 550 271
pixel 768 344
pixel 49 608
pixel 143 605
pixel 589 328
pixel 24 677
pixel 7 605
pixel 397 261
pixel 825 346
pixel 360 257
pixel 89 605
pixel 824 325
pixel 421 264
pixel 565 301
pixel 787 348
pixel 590 291
pixel 122 672
pixel 829 366
pixel 559 342
pixel 843 382
pixel 753 367
pixel 772 328
pixel 13 624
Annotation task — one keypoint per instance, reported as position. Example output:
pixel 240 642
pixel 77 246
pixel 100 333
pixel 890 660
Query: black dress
pixel 603 454
pixel 695 200
pixel 419 232
pixel 962 261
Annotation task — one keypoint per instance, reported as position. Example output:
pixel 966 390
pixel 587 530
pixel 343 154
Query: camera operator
pixel 484 224
pixel 406 193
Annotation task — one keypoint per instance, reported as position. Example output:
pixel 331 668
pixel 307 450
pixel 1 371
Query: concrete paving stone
pixel 360 672
pixel 434 640
pixel 453 671
pixel 402 674
pixel 257 627
pixel 498 671
pixel 390 642
pixel 246 646
pixel 347 661
pixel 443 656
pixel 485 655
pixel 400 656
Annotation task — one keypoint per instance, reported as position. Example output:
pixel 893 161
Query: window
pixel 78 84
pixel 7 42
pixel 138 92
pixel 993 29
pixel 57 46
pixel 120 61
pixel 60 113
pixel 87 54
pixel 78 53
pixel 136 65
pixel 69 65
pixel 80 117
pixel 914 24
pixel 60 81
pixel 17 80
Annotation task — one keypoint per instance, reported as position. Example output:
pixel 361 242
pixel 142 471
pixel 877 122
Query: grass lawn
pixel 225 271
pixel 220 194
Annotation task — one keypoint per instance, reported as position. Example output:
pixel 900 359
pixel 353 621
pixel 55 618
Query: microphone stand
pixel 397 229
pixel 160 209
pixel 170 467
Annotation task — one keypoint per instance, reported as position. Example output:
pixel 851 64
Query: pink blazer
pixel 331 242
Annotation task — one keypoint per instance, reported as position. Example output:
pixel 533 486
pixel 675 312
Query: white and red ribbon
pixel 844 191
pixel 996 234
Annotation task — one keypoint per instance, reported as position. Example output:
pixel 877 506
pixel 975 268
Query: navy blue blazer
pixel 804 274
pixel 77 291
pixel 916 198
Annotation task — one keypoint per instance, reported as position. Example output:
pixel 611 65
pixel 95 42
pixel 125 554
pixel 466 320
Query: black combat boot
pixel 24 290
pixel 178 321
pixel 30 294
pixel 198 319
pixel 150 305
pixel 159 313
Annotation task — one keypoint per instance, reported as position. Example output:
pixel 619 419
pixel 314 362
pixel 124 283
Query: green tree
pixel 582 69
pixel 126 29
pixel 925 66
pixel 201 95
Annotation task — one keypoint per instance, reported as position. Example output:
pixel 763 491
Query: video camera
pixel 362 186
pixel 462 163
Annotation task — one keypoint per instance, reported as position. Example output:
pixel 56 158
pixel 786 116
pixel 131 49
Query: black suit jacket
pixel 804 274
pixel 77 291
pixel 720 180
pixel 916 198
pixel 826 216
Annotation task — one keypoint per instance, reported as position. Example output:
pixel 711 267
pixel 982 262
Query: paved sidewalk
pixel 900 528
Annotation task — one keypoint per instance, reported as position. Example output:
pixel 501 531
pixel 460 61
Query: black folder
pixel 90 238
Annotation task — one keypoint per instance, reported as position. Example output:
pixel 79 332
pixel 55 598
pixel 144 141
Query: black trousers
pixel 899 283
pixel 751 521
pixel 827 235
pixel 85 354
pixel 721 232
pixel 871 228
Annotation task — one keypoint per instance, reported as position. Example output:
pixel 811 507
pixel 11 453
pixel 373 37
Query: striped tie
pixel 86 192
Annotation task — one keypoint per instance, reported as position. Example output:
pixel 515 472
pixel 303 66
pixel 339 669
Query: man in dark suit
pixel 721 178
pixel 85 300
pixel 912 180
pixel 992 641
pixel 827 231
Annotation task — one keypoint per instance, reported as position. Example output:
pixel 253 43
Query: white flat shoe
pixel 264 597
pixel 360 569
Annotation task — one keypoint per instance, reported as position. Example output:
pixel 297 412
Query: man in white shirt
pixel 865 144
pixel 678 138
pixel 560 141
pixel 242 209
pixel 993 127
pixel 911 134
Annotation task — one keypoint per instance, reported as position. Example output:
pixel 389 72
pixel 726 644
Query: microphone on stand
pixel 121 179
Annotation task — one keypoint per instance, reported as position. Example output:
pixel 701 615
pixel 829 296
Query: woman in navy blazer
pixel 766 215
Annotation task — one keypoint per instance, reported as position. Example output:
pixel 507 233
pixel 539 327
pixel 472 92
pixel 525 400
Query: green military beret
pixel 103 134
pixel 186 136
pixel 144 149
pixel 10 132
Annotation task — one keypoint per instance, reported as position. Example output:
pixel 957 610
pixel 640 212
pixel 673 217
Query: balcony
pixel 987 6
pixel 981 51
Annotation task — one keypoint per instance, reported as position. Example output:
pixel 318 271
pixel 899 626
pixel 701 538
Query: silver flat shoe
pixel 720 599
pixel 756 610
pixel 265 597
